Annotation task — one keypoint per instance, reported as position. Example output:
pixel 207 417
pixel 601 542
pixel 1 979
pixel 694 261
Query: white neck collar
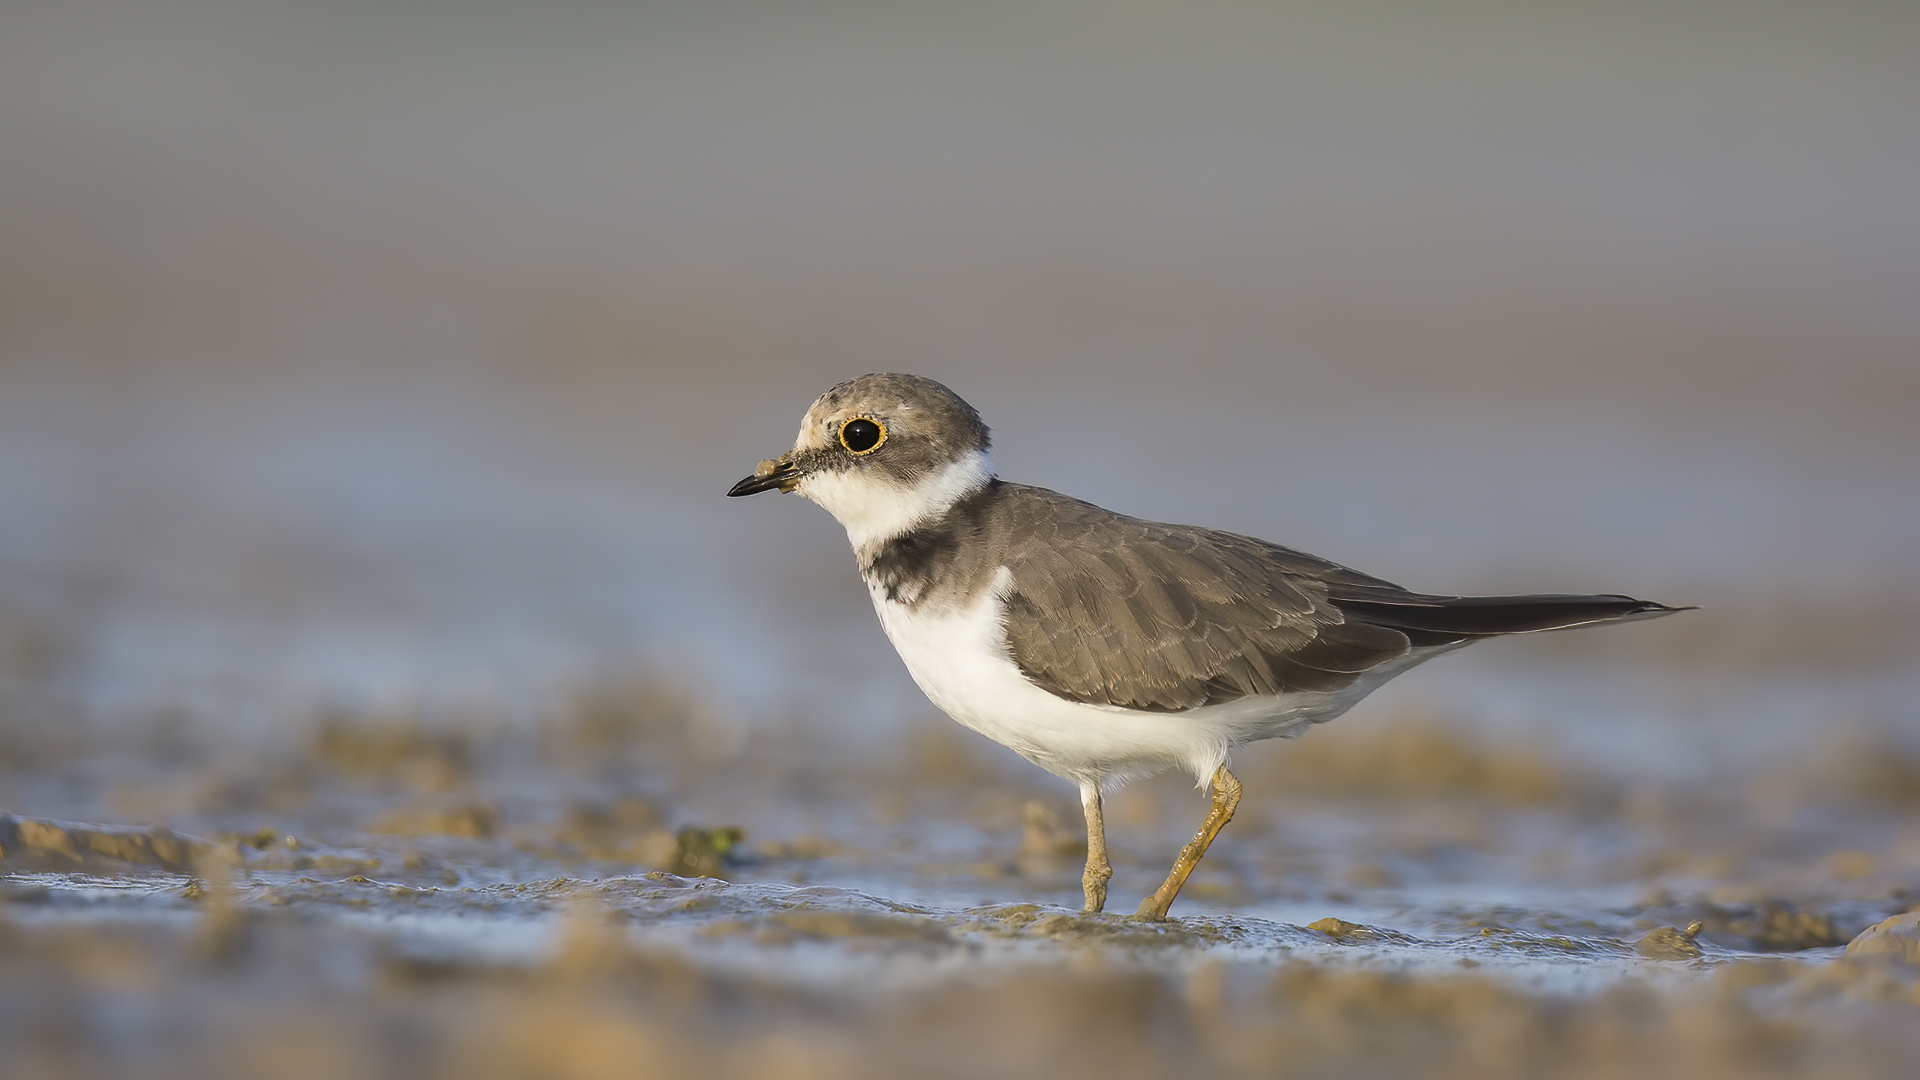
pixel 875 512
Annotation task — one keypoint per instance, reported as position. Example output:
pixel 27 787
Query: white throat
pixel 874 511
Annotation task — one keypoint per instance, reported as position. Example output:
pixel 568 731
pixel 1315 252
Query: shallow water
pixel 1392 900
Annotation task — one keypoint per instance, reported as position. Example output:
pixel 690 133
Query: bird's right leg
pixel 1094 881
pixel 1226 796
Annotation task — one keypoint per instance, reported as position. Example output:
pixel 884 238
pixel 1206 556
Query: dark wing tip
pixel 1646 609
pixel 1435 620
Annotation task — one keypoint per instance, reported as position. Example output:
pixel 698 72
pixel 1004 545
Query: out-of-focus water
pixel 369 383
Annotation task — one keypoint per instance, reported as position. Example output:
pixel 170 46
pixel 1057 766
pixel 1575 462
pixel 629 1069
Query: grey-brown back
pixel 1112 610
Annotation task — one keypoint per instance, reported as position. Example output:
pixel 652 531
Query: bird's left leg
pixel 1094 881
pixel 1226 796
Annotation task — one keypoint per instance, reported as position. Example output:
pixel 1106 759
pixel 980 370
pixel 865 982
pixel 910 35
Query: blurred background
pixel 403 354
pixel 375 367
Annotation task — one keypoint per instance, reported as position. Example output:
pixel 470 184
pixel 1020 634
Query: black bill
pixel 772 473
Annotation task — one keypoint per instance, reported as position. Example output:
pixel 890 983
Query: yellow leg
pixel 1094 881
pixel 1226 796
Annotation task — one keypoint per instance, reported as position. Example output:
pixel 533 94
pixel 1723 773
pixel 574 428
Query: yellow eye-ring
pixel 862 435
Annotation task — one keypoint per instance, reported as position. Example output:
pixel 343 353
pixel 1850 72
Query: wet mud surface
pixel 399 902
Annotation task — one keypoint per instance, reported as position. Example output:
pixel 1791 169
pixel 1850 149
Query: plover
pixel 1098 646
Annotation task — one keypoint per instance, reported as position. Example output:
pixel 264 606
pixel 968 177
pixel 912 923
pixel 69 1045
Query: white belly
pixel 960 659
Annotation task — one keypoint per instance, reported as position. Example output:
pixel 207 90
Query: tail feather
pixel 1446 620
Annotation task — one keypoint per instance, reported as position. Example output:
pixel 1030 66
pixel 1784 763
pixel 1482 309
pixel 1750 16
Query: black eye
pixel 862 435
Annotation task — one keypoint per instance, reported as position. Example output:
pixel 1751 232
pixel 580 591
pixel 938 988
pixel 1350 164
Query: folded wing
pixel 1159 617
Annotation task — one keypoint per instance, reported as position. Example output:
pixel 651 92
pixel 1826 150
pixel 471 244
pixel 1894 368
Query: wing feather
pixel 1200 617
pixel 1160 617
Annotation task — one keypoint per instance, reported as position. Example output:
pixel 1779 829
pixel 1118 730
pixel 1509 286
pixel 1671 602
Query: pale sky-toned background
pixel 402 352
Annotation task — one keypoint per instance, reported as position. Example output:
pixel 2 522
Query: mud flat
pixel 658 975
pixel 401 899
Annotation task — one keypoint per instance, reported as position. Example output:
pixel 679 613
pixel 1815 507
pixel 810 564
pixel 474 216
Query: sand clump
pixel 40 843
pixel 1895 940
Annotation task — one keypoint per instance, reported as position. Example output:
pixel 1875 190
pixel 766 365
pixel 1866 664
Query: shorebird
pixel 1099 646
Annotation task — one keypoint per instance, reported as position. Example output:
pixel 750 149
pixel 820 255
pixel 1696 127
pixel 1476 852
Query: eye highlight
pixel 862 435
